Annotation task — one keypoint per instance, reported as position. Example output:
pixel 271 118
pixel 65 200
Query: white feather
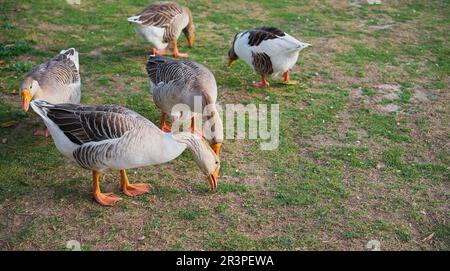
pixel 151 34
pixel 134 19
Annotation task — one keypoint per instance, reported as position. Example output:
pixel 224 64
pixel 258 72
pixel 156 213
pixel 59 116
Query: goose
pixel 101 137
pixel 176 81
pixel 162 23
pixel 56 81
pixel 268 50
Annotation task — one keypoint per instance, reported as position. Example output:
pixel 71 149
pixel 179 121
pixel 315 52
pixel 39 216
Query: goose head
pixel 213 128
pixel 205 157
pixel 28 89
pixel 232 56
pixel 189 30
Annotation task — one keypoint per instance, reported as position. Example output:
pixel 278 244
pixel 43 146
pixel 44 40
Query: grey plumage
pixel 262 63
pixel 179 81
pixel 167 15
pixel 175 82
pixel 82 124
pixel 58 70
pixel 95 130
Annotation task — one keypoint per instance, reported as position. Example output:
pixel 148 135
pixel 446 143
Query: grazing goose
pixel 175 82
pixel 113 137
pixel 56 81
pixel 268 50
pixel 161 23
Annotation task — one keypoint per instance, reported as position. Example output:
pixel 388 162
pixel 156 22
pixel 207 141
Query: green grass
pixel 15 49
pixel 362 54
pixel 345 171
pixel 192 213
pixel 385 126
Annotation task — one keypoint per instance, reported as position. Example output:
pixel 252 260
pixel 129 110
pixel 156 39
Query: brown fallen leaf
pixel 428 237
pixel 9 123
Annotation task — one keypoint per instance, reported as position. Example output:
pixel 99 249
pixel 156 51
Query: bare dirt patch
pixel 420 95
pixel 389 108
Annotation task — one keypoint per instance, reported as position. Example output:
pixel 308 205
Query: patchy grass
pixel 363 148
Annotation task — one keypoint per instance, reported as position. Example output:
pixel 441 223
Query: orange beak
pixel 191 41
pixel 26 98
pixel 230 63
pixel 213 179
pixel 216 147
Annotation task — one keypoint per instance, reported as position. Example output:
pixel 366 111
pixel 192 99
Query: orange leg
pixel 159 52
pixel 42 132
pixel 194 129
pixel 286 76
pixel 132 189
pixel 105 199
pixel 165 127
pixel 263 83
pixel 176 53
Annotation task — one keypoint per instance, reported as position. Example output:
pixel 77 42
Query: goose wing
pixel 260 34
pixel 164 70
pixel 180 81
pixel 161 15
pixel 62 69
pixel 83 124
pixel 271 40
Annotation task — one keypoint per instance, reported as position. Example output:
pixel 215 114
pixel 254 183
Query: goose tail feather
pixel 134 19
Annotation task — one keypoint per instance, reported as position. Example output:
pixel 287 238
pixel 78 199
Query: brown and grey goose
pixel 174 82
pixel 162 23
pixel 113 137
